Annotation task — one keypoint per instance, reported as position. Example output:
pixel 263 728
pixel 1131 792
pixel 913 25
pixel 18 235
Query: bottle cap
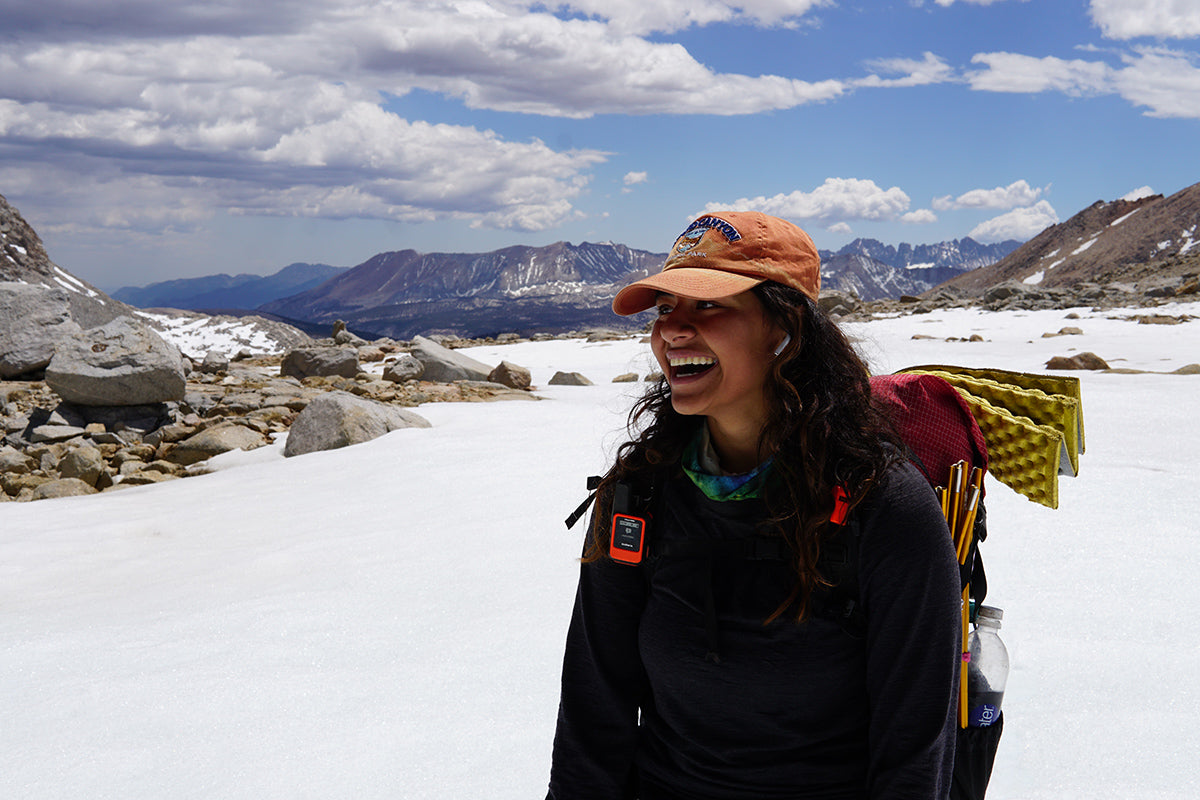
pixel 990 613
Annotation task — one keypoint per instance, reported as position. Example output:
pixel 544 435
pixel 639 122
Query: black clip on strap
pixel 593 483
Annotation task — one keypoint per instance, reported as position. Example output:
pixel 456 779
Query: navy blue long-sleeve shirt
pixel 791 710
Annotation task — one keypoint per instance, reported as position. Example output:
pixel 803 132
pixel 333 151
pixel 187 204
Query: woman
pixel 706 673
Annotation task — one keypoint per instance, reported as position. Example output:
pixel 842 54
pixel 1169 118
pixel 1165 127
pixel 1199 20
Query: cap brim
pixel 691 282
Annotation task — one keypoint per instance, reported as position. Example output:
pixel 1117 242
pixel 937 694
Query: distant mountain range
pixel 562 286
pixel 875 271
pixel 228 291
pixel 558 287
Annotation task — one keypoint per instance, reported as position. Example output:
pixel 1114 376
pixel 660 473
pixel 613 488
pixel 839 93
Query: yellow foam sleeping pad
pixel 1032 424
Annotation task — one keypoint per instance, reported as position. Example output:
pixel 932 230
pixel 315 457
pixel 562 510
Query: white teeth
pixel 699 360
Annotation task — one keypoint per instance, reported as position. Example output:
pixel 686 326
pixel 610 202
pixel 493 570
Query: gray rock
pixel 85 463
pixel 346 337
pixel 63 487
pixel 322 362
pixel 569 379
pixel 55 433
pixel 1007 291
pixel 510 375
pixel 1080 361
pixel 628 377
pixel 445 365
pixel 214 362
pixel 121 363
pixel 339 419
pixel 832 300
pixel 404 368
pixel 145 477
pixel 214 441
pixel 33 320
pixel 15 462
pixel 369 354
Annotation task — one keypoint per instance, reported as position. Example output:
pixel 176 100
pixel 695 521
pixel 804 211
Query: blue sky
pixel 150 139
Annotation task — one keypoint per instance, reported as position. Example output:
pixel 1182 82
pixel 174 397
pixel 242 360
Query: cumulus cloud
pixel 1020 223
pixel 641 17
pixel 1165 81
pixel 922 216
pixel 836 200
pixel 1018 193
pixel 930 69
pixel 281 106
pixel 948 3
pixel 537 63
pixel 1138 194
pixel 1129 19
pixel 1013 72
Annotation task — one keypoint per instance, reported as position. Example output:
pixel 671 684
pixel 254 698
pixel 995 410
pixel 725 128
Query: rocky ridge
pixel 1149 243
pixel 23 259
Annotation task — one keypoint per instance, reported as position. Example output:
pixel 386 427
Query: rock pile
pixel 58 441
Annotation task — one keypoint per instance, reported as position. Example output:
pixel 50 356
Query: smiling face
pixel 716 355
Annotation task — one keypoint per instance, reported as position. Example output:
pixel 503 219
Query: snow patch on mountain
pixel 198 334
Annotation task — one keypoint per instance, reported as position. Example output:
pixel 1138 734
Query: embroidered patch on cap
pixel 711 223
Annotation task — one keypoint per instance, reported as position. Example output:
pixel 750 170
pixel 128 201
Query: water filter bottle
pixel 987 670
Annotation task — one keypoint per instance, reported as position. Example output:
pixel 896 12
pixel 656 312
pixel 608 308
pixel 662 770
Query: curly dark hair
pixel 822 427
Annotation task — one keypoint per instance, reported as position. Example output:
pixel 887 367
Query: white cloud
pixel 631 179
pixel 1018 193
pixel 948 3
pixel 841 229
pixel 1013 72
pixel 836 200
pixel 922 216
pixel 930 69
pixel 1164 19
pixel 279 108
pixel 1138 194
pixel 1165 81
pixel 641 17
pixel 354 160
pixel 1020 223
pixel 539 64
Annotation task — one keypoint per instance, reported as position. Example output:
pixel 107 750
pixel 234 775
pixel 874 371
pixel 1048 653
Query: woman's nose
pixel 675 326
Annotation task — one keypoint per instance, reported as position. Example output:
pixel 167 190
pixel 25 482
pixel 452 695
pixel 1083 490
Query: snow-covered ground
pixel 387 620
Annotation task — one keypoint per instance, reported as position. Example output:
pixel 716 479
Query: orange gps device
pixel 628 538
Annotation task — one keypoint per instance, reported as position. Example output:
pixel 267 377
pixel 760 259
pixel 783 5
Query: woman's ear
pixel 787 337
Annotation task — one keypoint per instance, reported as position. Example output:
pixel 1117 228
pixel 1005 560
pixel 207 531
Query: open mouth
pixel 691 365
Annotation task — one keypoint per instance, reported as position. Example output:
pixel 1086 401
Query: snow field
pixel 387 620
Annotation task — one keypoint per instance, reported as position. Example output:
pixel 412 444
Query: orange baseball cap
pixel 725 253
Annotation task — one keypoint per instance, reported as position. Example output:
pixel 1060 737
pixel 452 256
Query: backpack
pixel 937 424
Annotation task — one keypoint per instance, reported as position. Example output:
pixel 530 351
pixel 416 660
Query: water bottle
pixel 987 670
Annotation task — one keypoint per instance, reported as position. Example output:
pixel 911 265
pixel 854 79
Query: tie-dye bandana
pixel 722 487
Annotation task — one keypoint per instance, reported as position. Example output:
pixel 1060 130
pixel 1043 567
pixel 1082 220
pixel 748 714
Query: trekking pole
pixel 964 537
pixel 960 504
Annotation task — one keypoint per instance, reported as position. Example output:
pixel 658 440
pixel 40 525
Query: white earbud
pixel 787 337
